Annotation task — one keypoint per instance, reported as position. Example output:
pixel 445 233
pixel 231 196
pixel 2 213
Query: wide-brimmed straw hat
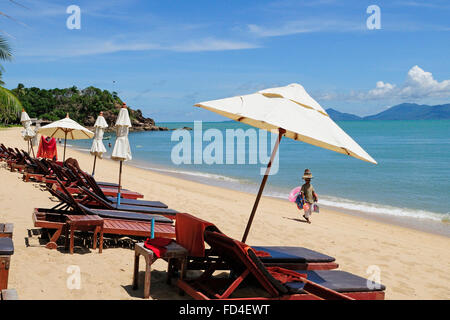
pixel 307 174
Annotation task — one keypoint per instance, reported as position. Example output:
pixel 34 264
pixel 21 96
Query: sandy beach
pixel 413 264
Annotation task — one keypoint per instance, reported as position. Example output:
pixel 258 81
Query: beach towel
pixel 47 149
pixel 190 231
pixel 158 245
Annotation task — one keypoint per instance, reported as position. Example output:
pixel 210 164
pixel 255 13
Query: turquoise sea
pixel 411 182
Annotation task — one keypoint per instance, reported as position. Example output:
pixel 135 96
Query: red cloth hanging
pixel 190 232
pixel 157 245
pixel 47 149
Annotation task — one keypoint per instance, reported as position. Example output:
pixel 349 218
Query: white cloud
pixel 305 26
pixel 211 44
pixel 419 84
pixel 88 47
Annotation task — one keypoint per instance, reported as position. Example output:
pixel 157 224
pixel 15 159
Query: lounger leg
pixel 72 240
pixel 183 268
pixel 136 271
pixel 94 244
pixel 148 276
pixel 170 271
pixel 101 240
pixel 4 271
pixel 52 243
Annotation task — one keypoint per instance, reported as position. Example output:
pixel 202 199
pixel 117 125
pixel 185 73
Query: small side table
pixel 85 222
pixel 174 252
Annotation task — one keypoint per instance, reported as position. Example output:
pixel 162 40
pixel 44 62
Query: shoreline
pixel 441 228
pixel 413 264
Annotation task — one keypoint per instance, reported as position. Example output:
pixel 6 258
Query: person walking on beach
pixel 309 195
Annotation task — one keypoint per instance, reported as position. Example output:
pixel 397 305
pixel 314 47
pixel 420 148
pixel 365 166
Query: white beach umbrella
pixel 98 148
pixel 66 129
pixel 34 141
pixel 292 112
pixel 122 151
pixel 27 134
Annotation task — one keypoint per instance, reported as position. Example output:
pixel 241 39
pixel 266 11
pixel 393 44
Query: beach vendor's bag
pixel 300 201
pixel 316 207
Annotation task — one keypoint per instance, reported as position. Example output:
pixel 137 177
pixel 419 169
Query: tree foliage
pixel 10 106
pixel 54 104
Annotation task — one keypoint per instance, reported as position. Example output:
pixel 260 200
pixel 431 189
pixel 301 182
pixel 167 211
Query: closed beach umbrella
pixel 28 134
pixel 122 151
pixel 66 129
pixel 98 148
pixel 292 112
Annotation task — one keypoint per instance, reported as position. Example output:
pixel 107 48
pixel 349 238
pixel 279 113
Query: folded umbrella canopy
pixel 292 112
pixel 98 148
pixel 122 151
pixel 66 129
pixel 28 134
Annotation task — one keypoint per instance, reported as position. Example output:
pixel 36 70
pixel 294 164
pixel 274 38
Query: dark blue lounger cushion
pixel 153 210
pixel 6 247
pixel 337 280
pixel 138 202
pixel 116 214
pixel 293 254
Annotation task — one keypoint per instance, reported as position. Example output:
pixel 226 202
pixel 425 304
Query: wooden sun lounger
pixel 55 220
pixel 6 230
pixel 296 258
pixel 71 182
pixel 334 285
pixel 67 200
pixel 94 201
pixel 6 251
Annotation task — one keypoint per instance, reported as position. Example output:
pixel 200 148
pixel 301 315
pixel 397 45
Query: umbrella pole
pixel 65 140
pixel 118 187
pixel 32 150
pixel 93 169
pixel 263 184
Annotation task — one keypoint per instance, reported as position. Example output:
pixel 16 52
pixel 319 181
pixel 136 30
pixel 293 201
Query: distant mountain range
pixel 404 111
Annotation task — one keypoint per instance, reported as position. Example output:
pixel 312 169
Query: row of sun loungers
pixel 281 273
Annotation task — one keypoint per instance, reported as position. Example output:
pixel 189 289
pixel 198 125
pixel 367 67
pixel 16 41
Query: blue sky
pixel 164 56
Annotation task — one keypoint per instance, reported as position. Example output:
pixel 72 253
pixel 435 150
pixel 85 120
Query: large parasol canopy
pixel 291 112
pixel 66 129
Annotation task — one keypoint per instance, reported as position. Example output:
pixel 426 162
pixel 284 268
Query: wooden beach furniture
pixel 115 221
pixel 93 201
pixel 174 252
pixel 55 221
pixel 84 223
pixel 190 234
pixel 6 230
pixel 72 182
pixel 67 200
pixel 6 251
pixel 113 200
pixel 277 283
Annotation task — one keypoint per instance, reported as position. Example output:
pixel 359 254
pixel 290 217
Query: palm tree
pixel 10 106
